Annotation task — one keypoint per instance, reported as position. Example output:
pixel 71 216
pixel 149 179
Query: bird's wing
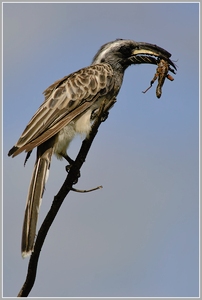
pixel 65 100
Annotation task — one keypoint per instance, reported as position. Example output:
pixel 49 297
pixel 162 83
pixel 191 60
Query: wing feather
pixel 65 100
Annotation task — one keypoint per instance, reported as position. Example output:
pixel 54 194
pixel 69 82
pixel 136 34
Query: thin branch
pixel 86 191
pixel 59 198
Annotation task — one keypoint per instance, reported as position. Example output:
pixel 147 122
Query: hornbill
pixel 67 110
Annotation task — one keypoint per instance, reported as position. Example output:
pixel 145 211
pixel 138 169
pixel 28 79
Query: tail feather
pixel 34 198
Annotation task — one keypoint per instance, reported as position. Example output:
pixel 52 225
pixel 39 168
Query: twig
pixel 86 191
pixel 59 198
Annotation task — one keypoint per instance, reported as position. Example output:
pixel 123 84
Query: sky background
pixel 139 235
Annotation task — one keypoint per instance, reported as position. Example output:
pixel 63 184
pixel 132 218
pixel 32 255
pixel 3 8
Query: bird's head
pixel 123 53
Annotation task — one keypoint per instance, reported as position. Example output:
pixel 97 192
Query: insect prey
pixel 161 74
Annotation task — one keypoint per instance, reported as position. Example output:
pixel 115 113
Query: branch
pixel 86 191
pixel 59 198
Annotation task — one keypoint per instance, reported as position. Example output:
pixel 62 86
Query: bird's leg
pixel 70 161
pixel 68 167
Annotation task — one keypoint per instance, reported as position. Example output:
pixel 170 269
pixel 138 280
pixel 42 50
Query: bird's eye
pixel 125 50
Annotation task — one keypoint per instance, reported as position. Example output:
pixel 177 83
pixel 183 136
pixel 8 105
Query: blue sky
pixel 138 236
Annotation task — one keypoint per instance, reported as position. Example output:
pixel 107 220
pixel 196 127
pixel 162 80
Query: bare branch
pixel 86 191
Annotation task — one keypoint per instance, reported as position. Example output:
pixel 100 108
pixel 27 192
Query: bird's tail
pixel 35 193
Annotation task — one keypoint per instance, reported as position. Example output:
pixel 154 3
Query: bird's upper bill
pixel 152 50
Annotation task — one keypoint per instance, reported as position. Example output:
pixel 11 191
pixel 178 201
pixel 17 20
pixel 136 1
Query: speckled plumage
pixel 67 110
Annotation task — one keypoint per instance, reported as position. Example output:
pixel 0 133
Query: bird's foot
pixel 68 168
pixel 66 156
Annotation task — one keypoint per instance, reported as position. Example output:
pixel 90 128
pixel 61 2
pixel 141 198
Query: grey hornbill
pixel 67 110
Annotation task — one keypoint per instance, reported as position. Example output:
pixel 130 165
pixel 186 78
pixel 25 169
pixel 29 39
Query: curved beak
pixel 150 50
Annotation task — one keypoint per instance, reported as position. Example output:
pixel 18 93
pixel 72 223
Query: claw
pixel 68 168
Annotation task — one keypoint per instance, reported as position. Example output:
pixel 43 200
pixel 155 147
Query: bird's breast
pixel 65 136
